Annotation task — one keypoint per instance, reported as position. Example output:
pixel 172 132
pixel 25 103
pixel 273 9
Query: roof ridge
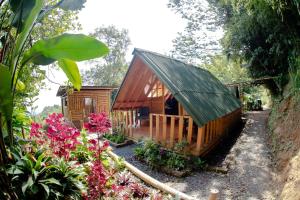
pixel 170 58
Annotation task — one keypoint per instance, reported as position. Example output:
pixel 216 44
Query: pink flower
pixel 62 137
pixel 98 123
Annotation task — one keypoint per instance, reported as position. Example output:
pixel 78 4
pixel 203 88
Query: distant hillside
pixel 46 111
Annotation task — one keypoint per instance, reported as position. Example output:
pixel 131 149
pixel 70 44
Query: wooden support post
pixel 180 129
pixel 151 126
pixel 164 129
pixel 172 128
pixel 211 124
pixel 130 123
pixel 157 128
pixel 200 139
pixel 163 99
pixel 126 122
pixel 190 130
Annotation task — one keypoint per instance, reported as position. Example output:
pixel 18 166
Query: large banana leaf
pixel 76 47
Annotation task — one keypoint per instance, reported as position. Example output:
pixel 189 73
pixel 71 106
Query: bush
pixel 157 156
pixel 116 138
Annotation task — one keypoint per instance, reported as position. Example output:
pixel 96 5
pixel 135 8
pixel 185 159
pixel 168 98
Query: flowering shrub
pixel 62 137
pixel 35 132
pixel 104 178
pixel 98 123
pixel 96 181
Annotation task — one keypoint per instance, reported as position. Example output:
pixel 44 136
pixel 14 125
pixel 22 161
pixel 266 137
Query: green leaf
pixel 46 188
pixel 38 163
pixel 50 181
pixel 6 99
pixel 76 47
pixel 27 184
pixel 14 170
pixel 21 10
pixel 71 70
pixel 20 86
pixel 28 24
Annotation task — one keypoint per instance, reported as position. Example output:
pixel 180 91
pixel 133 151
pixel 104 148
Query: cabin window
pixel 89 105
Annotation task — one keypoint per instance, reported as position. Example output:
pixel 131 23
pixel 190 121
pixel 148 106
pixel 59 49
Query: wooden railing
pixel 124 121
pixel 171 129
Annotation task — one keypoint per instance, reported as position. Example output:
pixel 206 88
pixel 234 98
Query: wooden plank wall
pixel 76 102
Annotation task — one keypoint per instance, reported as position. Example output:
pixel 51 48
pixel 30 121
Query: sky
pixel 151 25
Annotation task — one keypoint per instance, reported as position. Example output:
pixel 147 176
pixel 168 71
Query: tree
pixel 263 33
pixel 47 111
pixel 227 70
pixel 18 53
pixel 56 22
pixel 111 69
pixel 200 39
pixel 266 34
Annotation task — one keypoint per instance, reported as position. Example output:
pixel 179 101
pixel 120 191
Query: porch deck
pixel 171 129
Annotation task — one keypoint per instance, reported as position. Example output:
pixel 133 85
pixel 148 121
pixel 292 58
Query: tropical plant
pixel 29 176
pixel 176 161
pixel 156 156
pixel 59 136
pixel 71 177
pixel 98 123
pixel 17 54
pixel 116 138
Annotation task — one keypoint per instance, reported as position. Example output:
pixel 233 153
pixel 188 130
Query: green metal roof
pixel 201 94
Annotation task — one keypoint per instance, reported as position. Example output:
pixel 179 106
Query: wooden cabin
pixel 169 101
pixel 77 105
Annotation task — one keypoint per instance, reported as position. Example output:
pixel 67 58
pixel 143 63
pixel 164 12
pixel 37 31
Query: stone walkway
pixel 249 175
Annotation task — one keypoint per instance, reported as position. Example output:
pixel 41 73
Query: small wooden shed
pixel 170 101
pixel 77 105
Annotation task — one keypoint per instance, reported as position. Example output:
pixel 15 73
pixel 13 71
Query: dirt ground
pixel 249 162
pixel 285 142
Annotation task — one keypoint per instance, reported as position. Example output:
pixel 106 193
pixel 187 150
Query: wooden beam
pixel 137 83
pixel 164 129
pixel 151 126
pixel 149 90
pixel 180 129
pixel 126 122
pixel 163 98
pixel 157 128
pixel 172 128
pixel 190 130
pixel 200 139
pixel 130 123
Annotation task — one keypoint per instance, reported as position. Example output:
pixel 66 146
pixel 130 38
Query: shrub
pixel 60 136
pixel 116 138
pixel 156 156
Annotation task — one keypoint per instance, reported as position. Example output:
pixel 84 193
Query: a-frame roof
pixel 201 94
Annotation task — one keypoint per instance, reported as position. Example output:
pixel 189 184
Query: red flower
pixel 98 123
pixel 96 181
pixel 62 137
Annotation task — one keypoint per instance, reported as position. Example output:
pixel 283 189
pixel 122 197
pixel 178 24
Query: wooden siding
pixel 76 110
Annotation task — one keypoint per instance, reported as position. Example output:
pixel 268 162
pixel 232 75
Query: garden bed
pixel 169 162
pixel 118 145
pixel 117 140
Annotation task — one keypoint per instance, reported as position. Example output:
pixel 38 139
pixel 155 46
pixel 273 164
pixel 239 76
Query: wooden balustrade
pixel 171 129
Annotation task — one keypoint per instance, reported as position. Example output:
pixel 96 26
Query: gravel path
pixel 249 175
